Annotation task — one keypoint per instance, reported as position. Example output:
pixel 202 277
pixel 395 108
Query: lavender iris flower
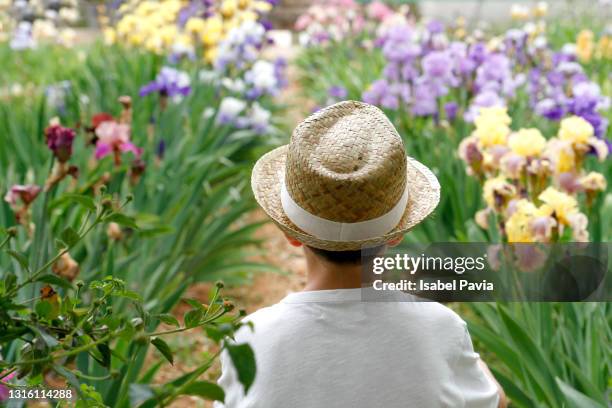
pixel 451 109
pixel 424 72
pixel 169 82
pixel 435 27
pixel 337 92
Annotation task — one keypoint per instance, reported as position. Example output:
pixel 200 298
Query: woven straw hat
pixel 344 182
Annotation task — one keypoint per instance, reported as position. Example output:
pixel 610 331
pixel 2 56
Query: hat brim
pixel 423 197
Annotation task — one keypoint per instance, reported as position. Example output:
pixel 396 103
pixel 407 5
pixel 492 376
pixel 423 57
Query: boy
pixel 344 183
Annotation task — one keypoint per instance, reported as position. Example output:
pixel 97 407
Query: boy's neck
pixel 324 275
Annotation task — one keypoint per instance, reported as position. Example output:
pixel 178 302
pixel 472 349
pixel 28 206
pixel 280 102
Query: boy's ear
pixel 395 242
pixel 292 241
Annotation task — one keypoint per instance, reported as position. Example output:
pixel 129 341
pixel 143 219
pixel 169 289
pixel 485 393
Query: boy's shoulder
pixel 409 312
pixel 261 320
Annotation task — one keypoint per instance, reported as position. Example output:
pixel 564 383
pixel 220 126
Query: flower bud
pixel 59 140
pixel 73 171
pixel 125 101
pixel 107 203
pixel 227 305
pixel 66 267
pixel 114 231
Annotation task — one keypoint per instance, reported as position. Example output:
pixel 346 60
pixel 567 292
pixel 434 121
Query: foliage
pixel 84 333
pixel 552 354
pixel 184 172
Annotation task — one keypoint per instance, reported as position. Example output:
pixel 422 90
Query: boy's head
pixel 338 258
pixel 344 182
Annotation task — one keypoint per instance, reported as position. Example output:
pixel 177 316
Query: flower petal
pixel 102 149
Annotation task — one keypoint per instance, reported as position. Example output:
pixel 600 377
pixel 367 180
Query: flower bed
pixel 514 123
pixel 125 183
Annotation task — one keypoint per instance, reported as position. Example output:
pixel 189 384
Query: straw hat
pixel 344 182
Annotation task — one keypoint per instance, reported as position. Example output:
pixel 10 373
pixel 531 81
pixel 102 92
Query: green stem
pixel 182 329
pixel 9 385
pixel 199 371
pixel 8 372
pixel 43 268
pixel 92 377
pixel 212 301
pixel 6 240
pixel 69 353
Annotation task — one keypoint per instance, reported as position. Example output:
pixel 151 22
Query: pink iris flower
pixel 114 138
pixel 27 194
pixel 4 391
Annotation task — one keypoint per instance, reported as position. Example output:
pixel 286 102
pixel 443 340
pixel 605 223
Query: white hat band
pixel 328 230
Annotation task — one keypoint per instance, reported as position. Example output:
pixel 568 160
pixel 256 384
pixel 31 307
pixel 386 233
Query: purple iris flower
pixel 392 71
pixel 549 109
pixel 495 67
pixel 186 13
pixel 485 99
pixel 267 24
pixel 438 64
pixel 424 100
pixel 451 109
pixel 399 45
pixel 337 92
pixel 435 27
pixel 599 123
pixel 161 149
pixel 169 82
pixel 478 52
pixel 376 91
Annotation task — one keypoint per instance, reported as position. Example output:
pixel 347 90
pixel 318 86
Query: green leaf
pixel 130 294
pixel 243 359
pixel 82 200
pixel 148 376
pixel 43 309
pixel 512 390
pixel 68 375
pixel 122 219
pixel 48 339
pixel 168 319
pixel 10 282
pixel 206 390
pixel 575 397
pixel 532 356
pixel 54 280
pixel 195 304
pixel 192 318
pixel 163 348
pixel 70 237
pixel 105 351
pixel 139 393
pixel 20 258
pixel 213 333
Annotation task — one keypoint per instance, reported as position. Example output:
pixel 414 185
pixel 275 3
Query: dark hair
pixel 343 257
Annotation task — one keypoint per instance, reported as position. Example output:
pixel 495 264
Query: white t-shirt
pixel 328 349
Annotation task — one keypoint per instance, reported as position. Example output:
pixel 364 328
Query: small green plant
pixel 67 322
